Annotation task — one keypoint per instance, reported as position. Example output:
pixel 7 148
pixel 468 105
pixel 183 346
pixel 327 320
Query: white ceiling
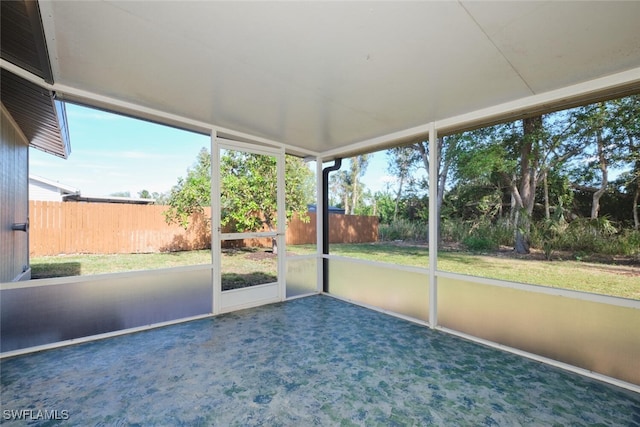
pixel 329 76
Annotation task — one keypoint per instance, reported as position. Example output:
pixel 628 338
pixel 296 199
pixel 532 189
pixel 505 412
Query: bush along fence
pixel 110 228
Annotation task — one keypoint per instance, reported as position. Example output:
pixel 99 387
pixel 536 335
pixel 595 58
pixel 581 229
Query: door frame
pixel 260 294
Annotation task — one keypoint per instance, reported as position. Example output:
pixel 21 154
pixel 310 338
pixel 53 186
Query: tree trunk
pixel 354 195
pixel 529 160
pixel 525 194
pixel 346 203
pixel 512 211
pixel 398 195
pixel 547 210
pixel 636 200
pixel 635 153
pixel 521 235
pixel 443 171
pixel 595 206
pixel 522 243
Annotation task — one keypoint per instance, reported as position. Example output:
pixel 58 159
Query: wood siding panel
pixel 14 159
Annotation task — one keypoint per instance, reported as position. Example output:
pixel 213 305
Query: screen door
pixel 250 219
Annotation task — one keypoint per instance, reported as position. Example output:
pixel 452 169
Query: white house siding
pixel 44 192
pixel 14 203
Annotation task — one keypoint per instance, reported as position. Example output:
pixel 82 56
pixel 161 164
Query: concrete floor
pixel 310 361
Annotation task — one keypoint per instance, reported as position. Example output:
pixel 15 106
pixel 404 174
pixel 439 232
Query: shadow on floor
pixel 57 269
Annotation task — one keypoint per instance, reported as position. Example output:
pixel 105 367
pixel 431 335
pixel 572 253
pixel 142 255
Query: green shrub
pixel 628 243
pixel 479 243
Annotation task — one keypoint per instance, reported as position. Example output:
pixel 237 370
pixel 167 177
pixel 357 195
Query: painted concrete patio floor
pixel 310 361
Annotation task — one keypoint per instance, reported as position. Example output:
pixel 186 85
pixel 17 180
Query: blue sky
pixel 112 153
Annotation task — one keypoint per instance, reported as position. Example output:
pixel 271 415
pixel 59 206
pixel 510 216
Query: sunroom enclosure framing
pixel 592 335
pixel 608 344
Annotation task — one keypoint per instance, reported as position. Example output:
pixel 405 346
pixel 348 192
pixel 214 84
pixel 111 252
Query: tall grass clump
pixel 587 236
pixel 629 243
pixel 402 229
pixel 480 235
pixel 454 230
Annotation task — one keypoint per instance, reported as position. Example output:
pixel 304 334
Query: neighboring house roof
pixel 332 209
pixel 63 189
pixel 107 199
pixel 67 193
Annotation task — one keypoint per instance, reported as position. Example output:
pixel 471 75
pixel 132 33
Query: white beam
pixel 319 224
pixel 216 251
pixel 24 74
pixel 433 224
pixel 281 241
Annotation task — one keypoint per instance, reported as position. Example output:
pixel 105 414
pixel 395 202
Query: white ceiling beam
pixel 20 72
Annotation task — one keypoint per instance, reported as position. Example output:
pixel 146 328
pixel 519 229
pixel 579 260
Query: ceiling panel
pixel 326 75
pixel 553 44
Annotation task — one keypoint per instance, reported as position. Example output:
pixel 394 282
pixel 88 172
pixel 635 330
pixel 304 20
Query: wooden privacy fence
pixel 108 228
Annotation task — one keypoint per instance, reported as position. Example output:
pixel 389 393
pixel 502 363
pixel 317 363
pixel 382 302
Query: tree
pixel 401 163
pixel 346 188
pixel 160 198
pixel 523 194
pixel 144 194
pixel 515 158
pixel 249 195
pixel 340 187
pixel 625 130
pixel 121 194
pixel 248 190
pixel 591 127
pixel 191 194
pixel 384 206
pixel 450 148
pixel 358 168
pixel 609 131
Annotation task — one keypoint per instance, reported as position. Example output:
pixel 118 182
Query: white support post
pixel 433 225
pixel 216 252
pixel 281 240
pixel 319 229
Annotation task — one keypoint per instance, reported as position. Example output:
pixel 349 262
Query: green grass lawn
pixel 259 266
pixel 608 279
pixel 240 267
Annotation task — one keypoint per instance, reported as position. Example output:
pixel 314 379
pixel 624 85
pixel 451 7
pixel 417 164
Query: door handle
pixel 21 226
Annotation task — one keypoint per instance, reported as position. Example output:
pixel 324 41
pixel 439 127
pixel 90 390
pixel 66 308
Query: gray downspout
pixel 325 221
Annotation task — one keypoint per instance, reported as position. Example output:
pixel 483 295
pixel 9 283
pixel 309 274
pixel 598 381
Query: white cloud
pixel 78 114
pixel 43 163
